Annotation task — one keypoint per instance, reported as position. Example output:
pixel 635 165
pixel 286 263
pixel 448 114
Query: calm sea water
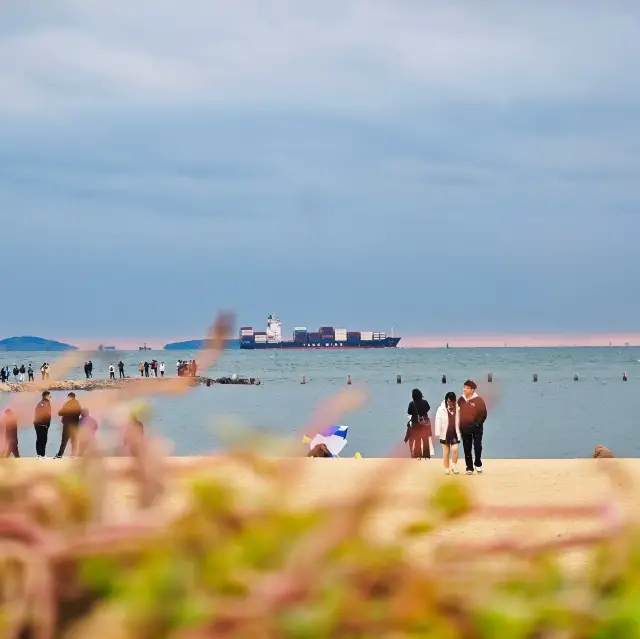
pixel 556 417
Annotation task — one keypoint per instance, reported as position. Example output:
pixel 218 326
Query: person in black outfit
pixel 30 372
pixel 419 426
pixel 121 369
pixel 3 375
pixel 146 369
pixel 70 413
pixel 86 370
pixel 10 423
pixel 90 367
pixel 41 422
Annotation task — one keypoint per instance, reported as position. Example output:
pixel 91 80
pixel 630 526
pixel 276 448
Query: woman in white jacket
pixel 447 430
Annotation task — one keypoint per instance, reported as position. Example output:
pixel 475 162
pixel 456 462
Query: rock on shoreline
pixel 102 384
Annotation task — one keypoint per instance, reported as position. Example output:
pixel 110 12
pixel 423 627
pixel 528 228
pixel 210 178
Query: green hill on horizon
pixel 30 343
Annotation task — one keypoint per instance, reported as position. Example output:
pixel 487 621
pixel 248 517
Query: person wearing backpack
pixel 419 430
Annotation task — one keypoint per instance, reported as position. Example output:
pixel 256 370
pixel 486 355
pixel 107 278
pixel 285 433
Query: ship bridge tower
pixel 274 329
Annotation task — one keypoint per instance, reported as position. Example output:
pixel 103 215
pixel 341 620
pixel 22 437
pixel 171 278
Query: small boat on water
pixel 144 348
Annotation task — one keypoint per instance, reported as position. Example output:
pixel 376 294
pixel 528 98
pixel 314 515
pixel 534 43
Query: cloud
pixel 344 161
pixel 372 55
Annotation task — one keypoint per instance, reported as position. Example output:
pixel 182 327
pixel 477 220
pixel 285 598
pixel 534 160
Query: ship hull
pixel 387 342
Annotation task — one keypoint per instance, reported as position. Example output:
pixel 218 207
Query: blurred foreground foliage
pixel 220 560
pixel 202 552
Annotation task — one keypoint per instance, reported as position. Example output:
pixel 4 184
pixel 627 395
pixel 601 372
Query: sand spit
pixel 102 384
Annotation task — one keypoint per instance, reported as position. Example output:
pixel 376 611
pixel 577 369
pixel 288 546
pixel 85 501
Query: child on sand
pixel 447 430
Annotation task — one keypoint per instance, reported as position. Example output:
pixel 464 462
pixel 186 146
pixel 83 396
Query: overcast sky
pixel 442 167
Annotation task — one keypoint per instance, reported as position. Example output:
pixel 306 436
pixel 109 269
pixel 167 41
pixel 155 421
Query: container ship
pixel 326 337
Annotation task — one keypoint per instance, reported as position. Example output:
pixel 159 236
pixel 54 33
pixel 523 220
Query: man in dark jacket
pixel 70 413
pixel 41 422
pixel 121 369
pixel 10 424
pixel 30 372
pixel 473 413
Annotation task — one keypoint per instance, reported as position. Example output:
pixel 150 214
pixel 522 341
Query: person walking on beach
pixel 41 423
pixel 3 375
pixel 419 427
pixel 146 369
pixel 90 369
pixel 447 430
pixel 161 369
pixel 121 369
pixel 10 429
pixel 30 373
pixel 22 371
pixel 112 372
pixel 141 369
pixel 42 371
pixel 70 414
pixel 86 370
pixel 473 414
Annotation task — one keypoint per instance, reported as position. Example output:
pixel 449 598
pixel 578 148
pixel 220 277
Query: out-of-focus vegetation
pixel 221 562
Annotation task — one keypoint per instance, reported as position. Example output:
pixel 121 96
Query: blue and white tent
pixel 333 437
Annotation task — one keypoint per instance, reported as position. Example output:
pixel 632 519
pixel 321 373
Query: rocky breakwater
pixel 102 384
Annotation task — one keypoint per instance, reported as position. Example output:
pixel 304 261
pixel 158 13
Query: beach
pixel 505 483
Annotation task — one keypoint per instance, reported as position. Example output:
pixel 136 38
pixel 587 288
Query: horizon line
pixel 469 340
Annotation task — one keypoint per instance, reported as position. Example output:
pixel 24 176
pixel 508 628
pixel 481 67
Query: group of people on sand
pixel 78 427
pixel 187 368
pixel 152 367
pixel 22 373
pixel 457 420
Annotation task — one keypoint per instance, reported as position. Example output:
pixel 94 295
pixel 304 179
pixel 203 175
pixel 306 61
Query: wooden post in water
pixel 490 378
pixel 399 379
pixel 535 377
pixel 444 379
pixel 348 380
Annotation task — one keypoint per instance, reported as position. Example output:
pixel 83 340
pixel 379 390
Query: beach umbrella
pixel 333 437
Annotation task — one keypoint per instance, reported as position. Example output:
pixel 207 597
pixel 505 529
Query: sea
pixel 555 417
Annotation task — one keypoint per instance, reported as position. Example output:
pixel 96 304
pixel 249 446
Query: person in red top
pixel 473 414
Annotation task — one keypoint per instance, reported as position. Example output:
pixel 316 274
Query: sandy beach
pixel 508 483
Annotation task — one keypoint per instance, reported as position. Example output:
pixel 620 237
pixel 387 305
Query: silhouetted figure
pixel 41 423
pixel 146 369
pixel 70 414
pixel 90 367
pixel 30 373
pixel 86 370
pixel 121 369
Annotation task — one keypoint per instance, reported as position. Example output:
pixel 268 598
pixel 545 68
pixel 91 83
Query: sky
pixel 445 168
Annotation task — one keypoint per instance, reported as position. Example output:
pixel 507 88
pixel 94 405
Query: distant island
pixel 197 345
pixel 32 344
